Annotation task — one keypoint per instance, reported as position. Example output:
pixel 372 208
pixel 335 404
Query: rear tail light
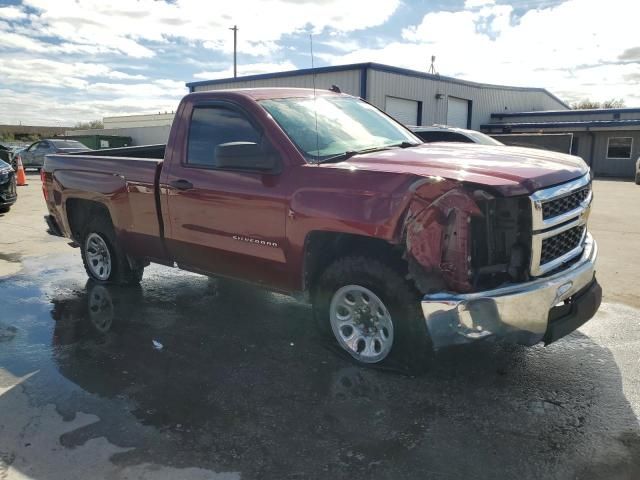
pixel 43 177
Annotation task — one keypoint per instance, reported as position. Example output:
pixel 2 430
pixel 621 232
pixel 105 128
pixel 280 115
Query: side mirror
pixel 246 155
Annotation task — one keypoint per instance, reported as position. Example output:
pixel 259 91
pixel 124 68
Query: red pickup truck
pixel 400 246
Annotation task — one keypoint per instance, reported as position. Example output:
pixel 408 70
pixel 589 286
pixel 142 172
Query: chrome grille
pixel 565 204
pixel 559 223
pixel 561 244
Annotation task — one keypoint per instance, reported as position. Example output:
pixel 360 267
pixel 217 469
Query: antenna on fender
pixel 315 110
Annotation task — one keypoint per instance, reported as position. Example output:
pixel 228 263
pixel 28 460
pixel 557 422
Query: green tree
pixel 92 125
pixel 589 104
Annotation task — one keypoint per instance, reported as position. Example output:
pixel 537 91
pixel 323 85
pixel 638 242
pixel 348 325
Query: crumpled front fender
pixel 438 231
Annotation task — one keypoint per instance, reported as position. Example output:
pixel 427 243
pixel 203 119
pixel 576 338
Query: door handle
pixel 181 184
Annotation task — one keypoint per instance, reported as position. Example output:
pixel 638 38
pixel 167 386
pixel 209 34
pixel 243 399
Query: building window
pixel 619 147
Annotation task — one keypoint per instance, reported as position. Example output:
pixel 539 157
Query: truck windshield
pixel 344 124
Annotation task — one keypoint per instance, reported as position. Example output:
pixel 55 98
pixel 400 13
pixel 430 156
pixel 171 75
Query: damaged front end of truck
pixel 471 252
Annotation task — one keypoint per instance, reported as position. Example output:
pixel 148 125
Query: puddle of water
pixel 243 384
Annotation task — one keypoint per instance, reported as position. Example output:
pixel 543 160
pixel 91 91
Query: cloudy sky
pixel 66 61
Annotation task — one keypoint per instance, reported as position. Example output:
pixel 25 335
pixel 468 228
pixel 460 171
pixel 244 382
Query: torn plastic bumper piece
pixel 526 313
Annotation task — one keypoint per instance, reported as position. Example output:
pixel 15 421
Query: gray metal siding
pixel 584 146
pixel 486 100
pixel 348 81
pixel 615 167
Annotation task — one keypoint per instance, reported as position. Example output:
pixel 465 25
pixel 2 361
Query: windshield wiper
pixel 350 153
pixel 405 145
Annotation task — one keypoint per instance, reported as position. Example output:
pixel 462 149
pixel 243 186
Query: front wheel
pixel 638 178
pixel 372 311
pixel 104 260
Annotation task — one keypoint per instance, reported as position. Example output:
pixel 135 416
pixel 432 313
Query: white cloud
pixel 127 27
pixel 95 101
pixel 545 47
pixel 55 73
pixel 344 45
pixel 478 3
pixel 12 13
pixel 15 40
pixel 43 109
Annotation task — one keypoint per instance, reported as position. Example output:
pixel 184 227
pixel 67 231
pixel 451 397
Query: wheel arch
pixel 321 248
pixel 79 211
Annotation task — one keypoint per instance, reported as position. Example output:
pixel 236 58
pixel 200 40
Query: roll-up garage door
pixel 403 110
pixel 457 112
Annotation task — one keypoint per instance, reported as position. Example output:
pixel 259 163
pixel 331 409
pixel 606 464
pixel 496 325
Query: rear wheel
pixel 4 209
pixel 638 178
pixel 371 311
pixel 104 260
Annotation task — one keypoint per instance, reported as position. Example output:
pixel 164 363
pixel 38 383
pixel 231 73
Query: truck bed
pixel 142 151
pixel 125 184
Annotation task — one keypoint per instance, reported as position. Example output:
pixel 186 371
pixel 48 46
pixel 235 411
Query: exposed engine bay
pixel 466 239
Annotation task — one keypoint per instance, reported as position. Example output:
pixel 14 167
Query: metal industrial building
pixel 145 129
pixel 607 139
pixel 412 97
pixel 135 121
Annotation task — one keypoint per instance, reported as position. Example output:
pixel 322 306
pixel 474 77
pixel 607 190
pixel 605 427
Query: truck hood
pixel 509 170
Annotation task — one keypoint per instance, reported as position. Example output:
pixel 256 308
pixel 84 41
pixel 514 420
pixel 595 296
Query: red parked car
pixel 400 246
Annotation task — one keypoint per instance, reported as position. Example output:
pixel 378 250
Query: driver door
pixel 43 148
pixel 225 221
pixel 28 155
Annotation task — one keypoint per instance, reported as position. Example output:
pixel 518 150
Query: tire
pixel 103 259
pixel 638 178
pixel 5 209
pixel 406 340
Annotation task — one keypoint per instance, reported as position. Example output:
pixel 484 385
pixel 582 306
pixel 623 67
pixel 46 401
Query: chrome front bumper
pixel 517 313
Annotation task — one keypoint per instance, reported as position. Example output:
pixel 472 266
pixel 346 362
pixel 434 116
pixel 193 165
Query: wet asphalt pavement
pixel 196 378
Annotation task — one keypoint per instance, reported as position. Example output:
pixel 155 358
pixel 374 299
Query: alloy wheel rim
pixel 361 323
pixel 98 256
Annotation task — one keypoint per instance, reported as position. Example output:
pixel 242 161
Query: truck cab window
pixel 211 126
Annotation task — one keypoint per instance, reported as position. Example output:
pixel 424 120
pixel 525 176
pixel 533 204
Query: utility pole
pixel 235 50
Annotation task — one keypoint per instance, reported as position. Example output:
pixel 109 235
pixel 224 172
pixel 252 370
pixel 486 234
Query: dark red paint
pixel 368 195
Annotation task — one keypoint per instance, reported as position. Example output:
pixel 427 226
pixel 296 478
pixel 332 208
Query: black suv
pixel 8 194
